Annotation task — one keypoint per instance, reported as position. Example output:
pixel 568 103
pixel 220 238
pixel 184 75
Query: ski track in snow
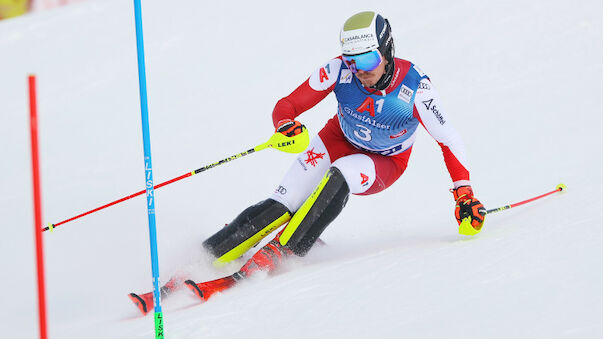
pixel 520 81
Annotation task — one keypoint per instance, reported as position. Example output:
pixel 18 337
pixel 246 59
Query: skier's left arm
pixel 429 111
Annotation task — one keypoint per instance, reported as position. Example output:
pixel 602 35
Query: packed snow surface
pixel 521 81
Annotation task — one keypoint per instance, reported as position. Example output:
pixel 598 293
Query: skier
pixel 363 149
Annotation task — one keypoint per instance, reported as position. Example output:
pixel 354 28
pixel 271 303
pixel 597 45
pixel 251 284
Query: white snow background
pixel 520 80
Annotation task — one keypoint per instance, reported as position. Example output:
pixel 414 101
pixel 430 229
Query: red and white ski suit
pixel 370 137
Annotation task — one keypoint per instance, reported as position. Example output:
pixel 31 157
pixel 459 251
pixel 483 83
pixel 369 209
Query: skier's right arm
pixel 307 95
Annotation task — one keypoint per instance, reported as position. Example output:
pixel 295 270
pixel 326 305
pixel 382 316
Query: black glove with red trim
pixel 290 127
pixel 468 206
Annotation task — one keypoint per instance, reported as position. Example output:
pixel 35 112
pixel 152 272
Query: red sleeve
pixel 457 171
pixel 307 95
pixel 300 100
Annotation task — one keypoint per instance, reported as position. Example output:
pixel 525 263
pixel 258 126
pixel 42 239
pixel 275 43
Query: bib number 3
pixel 364 133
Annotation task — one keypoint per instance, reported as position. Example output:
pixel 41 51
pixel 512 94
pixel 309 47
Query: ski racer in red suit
pixel 362 149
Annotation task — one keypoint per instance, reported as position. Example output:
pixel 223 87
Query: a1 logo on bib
pixel 405 94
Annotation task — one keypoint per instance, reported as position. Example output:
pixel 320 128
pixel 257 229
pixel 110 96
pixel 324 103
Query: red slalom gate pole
pixel 35 165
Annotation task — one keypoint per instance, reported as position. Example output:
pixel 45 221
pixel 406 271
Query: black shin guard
pixel 317 212
pixel 246 230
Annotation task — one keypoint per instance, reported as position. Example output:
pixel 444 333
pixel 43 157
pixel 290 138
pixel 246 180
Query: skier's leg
pixel 303 175
pixel 387 171
pixel 356 173
pixel 316 213
pixel 246 230
pixel 359 174
pixel 321 207
pixel 257 221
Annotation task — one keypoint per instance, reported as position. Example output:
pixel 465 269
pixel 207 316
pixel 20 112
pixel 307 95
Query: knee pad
pixel 316 213
pixel 246 230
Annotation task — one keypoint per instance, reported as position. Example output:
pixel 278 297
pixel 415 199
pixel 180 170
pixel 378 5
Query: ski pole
pixel 465 227
pixel 278 141
pixel 559 188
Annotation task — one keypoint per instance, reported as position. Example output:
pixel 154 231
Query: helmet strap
pixel 387 76
pixel 388 53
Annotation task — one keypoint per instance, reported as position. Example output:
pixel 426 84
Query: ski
pixel 266 259
pixel 144 302
pixel 204 290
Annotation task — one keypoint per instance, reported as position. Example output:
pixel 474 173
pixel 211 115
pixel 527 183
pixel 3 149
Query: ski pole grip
pixel 295 144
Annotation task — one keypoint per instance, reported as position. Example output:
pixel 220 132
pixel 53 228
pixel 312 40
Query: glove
pixel 290 127
pixel 468 206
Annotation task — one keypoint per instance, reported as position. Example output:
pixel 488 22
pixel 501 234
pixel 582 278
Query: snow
pixel 520 81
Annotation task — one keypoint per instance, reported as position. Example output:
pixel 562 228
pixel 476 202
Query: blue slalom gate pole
pixel 142 81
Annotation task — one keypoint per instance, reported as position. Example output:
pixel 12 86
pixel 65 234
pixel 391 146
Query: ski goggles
pixel 365 62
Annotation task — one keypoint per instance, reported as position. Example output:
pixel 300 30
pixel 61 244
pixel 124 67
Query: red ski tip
pixel 144 302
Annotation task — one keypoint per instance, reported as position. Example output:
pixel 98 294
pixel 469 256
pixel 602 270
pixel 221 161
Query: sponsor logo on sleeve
pixel 434 109
pixel 405 94
pixel 325 76
pixel 323 73
pixel 424 85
